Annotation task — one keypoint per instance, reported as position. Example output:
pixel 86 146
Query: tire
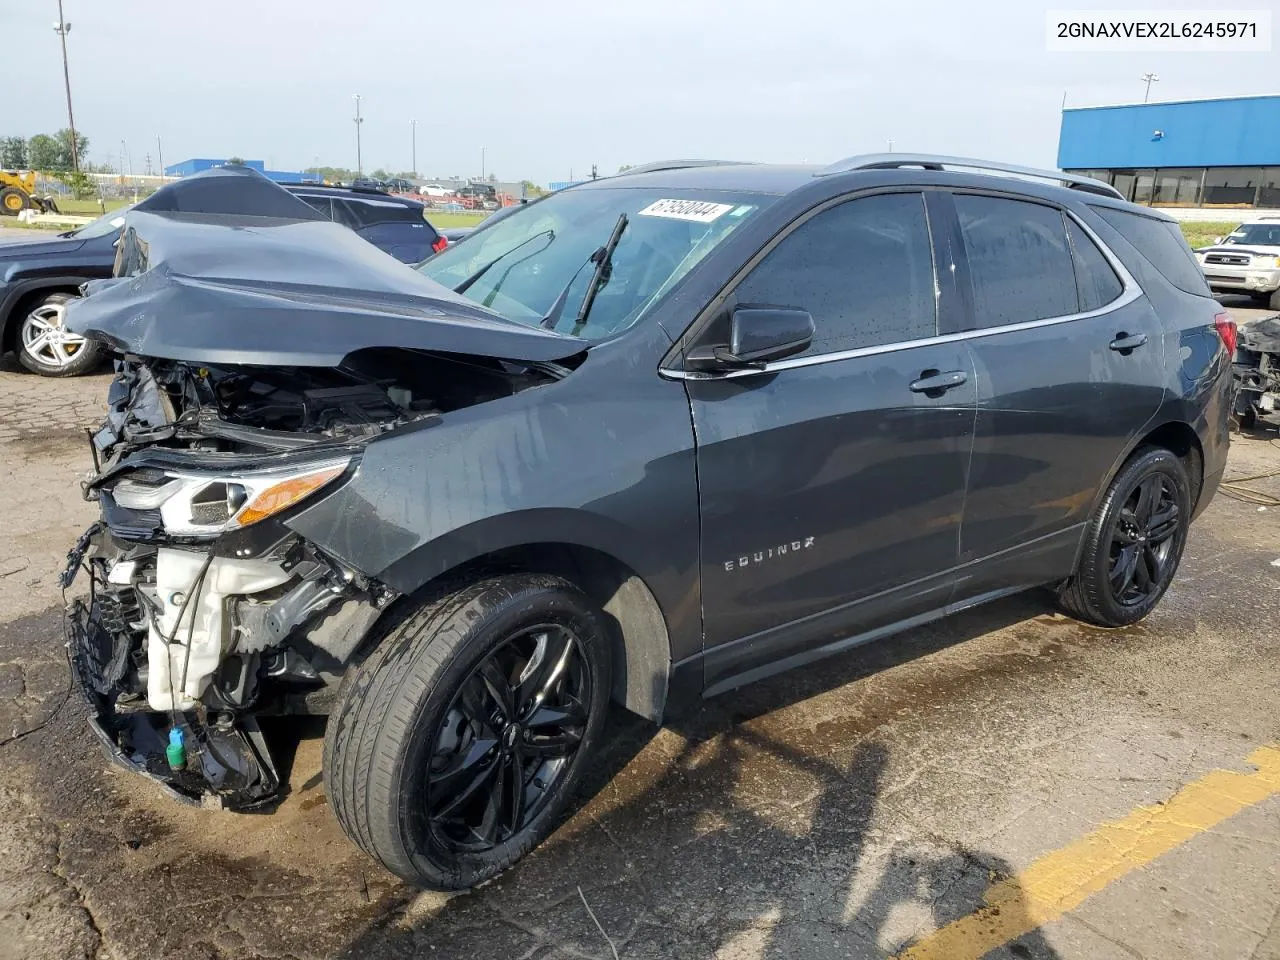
pixel 403 752
pixel 1273 302
pixel 44 346
pixel 1106 590
pixel 13 201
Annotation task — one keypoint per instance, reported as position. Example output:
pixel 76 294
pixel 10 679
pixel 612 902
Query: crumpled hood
pixel 252 290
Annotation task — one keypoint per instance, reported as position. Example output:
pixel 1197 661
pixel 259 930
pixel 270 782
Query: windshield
pixel 109 223
pixel 538 260
pixel 1265 234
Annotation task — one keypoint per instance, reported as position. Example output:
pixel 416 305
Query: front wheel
pixel 456 746
pixel 1133 543
pixel 12 201
pixel 46 347
pixel 1273 302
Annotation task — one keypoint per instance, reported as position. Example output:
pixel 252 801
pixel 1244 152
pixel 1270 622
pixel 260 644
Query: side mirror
pixel 1217 240
pixel 757 335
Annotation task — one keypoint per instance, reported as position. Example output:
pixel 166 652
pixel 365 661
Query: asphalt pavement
pixel 1005 783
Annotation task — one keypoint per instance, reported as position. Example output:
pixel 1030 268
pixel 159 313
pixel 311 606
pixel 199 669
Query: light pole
pixel 413 125
pixel 160 155
pixel 359 159
pixel 482 163
pixel 62 28
pixel 1150 78
pixel 891 144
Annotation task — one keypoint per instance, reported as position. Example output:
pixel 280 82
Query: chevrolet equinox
pixel 650 437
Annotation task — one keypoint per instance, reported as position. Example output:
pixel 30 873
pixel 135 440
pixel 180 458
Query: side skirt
pixel 791 645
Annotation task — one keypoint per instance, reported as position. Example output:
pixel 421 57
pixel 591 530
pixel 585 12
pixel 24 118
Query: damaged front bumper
pixel 191 640
pixel 227 763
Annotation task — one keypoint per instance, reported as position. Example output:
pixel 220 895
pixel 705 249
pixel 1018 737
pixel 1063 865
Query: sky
pixel 544 89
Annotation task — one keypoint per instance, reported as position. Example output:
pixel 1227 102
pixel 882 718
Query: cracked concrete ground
pixel 844 811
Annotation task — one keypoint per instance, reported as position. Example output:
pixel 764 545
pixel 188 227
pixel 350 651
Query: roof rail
pixel 657 165
pixel 929 161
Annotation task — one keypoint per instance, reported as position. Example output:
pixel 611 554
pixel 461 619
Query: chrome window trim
pixel 1129 293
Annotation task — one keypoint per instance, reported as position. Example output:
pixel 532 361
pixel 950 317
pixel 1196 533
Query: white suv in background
pixel 1246 261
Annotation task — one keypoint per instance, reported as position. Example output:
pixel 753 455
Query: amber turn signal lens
pixel 285 494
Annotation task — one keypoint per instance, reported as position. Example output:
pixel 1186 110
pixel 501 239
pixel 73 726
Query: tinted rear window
pixel 1019 260
pixel 1162 244
pixel 1095 278
pixel 366 212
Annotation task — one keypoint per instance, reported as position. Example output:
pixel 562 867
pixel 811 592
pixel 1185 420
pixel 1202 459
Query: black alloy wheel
pixel 507 738
pixel 1133 542
pixel 1142 544
pixel 456 746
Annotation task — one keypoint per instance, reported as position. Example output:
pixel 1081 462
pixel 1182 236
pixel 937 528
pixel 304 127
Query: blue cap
pixel 175 737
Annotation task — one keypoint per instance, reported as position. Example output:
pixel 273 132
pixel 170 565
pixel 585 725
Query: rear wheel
pixel 1134 542
pixel 12 201
pixel 1273 302
pixel 46 347
pixel 455 747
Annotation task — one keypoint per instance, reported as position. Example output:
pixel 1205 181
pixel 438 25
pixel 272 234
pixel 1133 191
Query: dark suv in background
pixel 653 437
pixel 396 225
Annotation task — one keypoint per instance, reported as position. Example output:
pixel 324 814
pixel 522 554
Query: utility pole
pixel 1150 78
pixel 413 124
pixel 359 158
pixel 62 28
pixel 891 144
pixel 482 163
pixel 160 156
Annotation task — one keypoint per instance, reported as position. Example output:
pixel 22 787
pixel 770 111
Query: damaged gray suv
pixel 650 438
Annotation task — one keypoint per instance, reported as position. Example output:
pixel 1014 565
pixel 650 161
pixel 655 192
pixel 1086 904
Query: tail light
pixel 442 241
pixel 1226 328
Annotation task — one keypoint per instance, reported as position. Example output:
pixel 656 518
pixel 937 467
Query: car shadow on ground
pixel 724 836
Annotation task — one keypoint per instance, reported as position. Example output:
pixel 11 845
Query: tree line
pixel 49 153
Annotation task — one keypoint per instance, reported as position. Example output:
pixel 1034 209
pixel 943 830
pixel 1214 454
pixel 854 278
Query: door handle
pixel 935 384
pixel 1124 342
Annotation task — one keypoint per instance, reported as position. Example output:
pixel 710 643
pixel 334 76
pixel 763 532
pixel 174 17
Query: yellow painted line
pixel 1062 880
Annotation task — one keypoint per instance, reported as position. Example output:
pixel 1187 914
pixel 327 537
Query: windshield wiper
pixel 466 284
pixel 552 317
pixel 604 268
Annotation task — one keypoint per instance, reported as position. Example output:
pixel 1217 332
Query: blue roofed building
pixel 198 165
pixel 1189 153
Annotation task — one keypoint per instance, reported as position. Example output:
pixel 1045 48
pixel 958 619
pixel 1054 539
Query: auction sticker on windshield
pixel 699 211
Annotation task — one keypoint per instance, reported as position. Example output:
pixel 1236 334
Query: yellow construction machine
pixel 18 192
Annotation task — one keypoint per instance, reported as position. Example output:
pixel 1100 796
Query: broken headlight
pixel 206 504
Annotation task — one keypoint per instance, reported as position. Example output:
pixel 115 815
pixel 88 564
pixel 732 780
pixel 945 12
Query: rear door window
pixel 1096 280
pixel 863 270
pixel 1161 243
pixel 1019 260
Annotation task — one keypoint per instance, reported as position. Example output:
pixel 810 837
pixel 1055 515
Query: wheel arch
pixel 23 295
pixel 639 643
pixel 1176 436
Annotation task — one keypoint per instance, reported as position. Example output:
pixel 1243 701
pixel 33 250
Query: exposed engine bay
pixel 205 611
pixel 242 408
pixel 1257 370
